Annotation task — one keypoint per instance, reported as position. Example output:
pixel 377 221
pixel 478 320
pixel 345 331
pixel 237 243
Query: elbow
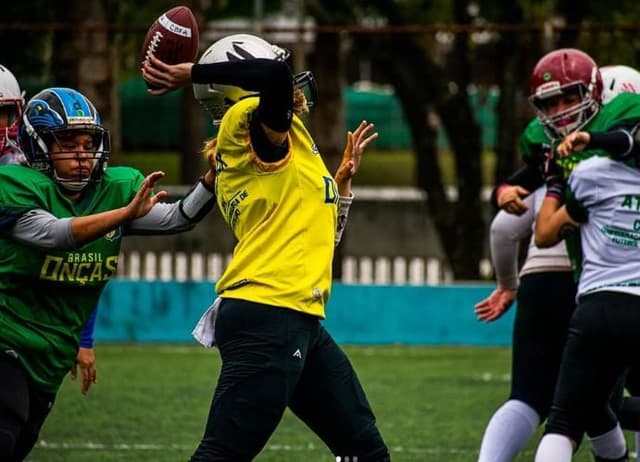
pixel 544 239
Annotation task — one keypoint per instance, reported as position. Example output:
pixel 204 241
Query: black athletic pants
pixel 545 304
pixel 601 345
pixel 273 358
pixel 23 410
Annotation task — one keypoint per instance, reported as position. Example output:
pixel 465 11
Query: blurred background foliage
pixel 446 81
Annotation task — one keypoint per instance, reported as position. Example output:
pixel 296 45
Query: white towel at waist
pixel 205 330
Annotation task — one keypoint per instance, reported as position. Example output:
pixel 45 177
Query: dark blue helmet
pixel 52 115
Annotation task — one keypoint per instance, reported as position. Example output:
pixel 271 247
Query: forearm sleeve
pixel 175 217
pixel 86 338
pixel 271 78
pixel 507 230
pixel 343 214
pixel 40 228
pixel 619 143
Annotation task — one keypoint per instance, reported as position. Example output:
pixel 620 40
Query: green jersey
pixel 624 109
pixel 46 295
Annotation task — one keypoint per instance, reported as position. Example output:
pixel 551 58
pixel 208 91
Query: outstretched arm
pixel 357 142
pixel 42 229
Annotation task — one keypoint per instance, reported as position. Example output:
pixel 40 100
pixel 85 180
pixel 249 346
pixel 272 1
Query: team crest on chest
pixel 113 235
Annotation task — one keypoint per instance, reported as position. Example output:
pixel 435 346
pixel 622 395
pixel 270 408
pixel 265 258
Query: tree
pixel 423 85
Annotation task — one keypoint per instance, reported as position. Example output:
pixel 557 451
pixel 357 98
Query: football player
pixel 541 321
pixel 62 222
pixel 603 203
pixel 11 105
pixel 284 208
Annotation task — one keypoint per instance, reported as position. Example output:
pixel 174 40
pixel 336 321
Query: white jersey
pixel 507 230
pixel 610 191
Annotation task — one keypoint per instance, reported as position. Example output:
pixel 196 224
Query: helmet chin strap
pixel 72 185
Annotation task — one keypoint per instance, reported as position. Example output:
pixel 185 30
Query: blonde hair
pixel 300 105
pixel 209 149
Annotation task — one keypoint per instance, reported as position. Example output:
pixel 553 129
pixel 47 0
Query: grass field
pixel 151 403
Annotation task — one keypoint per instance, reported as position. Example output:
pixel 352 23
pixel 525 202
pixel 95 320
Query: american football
pixel 172 38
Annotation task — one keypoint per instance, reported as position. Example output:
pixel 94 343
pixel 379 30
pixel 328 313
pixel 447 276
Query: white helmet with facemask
pixel 11 104
pixel 217 98
pixel 618 79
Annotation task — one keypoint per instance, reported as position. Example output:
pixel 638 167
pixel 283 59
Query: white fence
pixel 181 266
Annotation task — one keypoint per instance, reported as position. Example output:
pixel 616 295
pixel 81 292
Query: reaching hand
pixel 510 199
pixel 87 361
pixel 357 142
pixel 166 76
pixel 573 142
pixel 495 305
pixel 143 201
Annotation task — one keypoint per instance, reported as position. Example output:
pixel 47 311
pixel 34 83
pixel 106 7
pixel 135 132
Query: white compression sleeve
pixel 343 213
pixel 507 230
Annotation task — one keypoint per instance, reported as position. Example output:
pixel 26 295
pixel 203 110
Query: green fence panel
pixel 150 122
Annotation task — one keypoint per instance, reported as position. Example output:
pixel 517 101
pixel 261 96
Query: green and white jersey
pixel 610 192
pixel 623 109
pixel 46 295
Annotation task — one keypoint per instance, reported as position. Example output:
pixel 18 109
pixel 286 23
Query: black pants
pixel 273 358
pixel 546 302
pixel 23 410
pixel 601 345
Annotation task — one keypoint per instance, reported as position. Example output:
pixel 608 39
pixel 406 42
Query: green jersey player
pixel 62 220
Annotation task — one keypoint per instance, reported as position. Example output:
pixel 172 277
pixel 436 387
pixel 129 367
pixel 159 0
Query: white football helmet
pixel 216 98
pixel 619 79
pixel 11 102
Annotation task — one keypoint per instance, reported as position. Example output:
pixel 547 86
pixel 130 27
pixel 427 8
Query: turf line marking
pixel 43 444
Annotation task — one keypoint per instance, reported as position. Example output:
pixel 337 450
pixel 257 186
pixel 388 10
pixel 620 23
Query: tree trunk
pixel 193 120
pixel 83 59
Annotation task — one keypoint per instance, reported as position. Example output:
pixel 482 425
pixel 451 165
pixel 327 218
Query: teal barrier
pixel 136 311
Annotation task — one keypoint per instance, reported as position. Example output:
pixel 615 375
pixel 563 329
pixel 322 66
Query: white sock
pixel 508 432
pixel 609 445
pixel 637 439
pixel 554 448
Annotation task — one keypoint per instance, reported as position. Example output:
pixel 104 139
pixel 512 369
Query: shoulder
pixel 238 115
pixel 23 177
pixel 592 172
pixel 532 138
pixel 24 187
pixel 625 106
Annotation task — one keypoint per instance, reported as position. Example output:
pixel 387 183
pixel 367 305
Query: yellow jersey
pixel 283 214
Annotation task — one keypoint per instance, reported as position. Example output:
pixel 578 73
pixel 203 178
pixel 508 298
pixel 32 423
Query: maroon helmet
pixel 561 72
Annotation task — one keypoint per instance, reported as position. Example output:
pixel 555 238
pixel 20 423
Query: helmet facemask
pixel 94 152
pixel 10 111
pixel 305 92
pixel 569 120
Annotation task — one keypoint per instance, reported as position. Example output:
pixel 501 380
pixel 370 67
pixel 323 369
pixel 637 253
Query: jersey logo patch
pixel 297 354
pixel 113 235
